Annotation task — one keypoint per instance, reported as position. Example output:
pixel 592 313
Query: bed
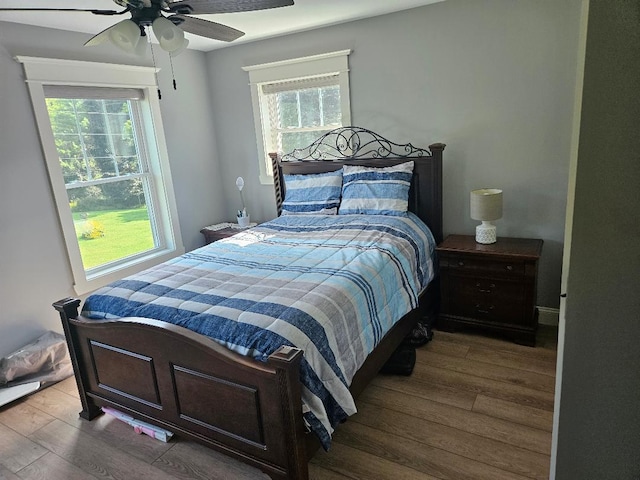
pixel 260 406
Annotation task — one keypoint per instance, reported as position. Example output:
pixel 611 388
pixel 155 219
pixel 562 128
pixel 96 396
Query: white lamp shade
pixel 171 38
pixel 486 204
pixel 125 34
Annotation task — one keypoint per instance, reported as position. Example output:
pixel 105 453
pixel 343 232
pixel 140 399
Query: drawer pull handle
pixel 461 264
pixel 509 267
pixel 485 310
pixel 485 290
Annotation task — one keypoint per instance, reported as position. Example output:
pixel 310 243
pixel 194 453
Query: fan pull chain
pixel 173 75
pixel 155 70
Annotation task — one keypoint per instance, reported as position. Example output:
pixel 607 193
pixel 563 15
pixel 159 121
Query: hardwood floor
pixel 475 407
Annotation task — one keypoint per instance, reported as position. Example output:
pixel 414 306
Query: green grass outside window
pixel 125 233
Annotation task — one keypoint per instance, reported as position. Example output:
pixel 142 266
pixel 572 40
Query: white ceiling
pixel 304 15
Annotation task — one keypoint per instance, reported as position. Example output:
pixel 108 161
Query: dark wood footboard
pixel 188 384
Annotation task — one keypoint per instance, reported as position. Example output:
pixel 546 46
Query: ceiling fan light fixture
pixel 100 38
pixel 125 35
pixel 171 38
pixel 184 46
pixel 142 46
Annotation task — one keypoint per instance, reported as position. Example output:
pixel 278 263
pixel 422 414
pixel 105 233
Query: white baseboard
pixel 548 316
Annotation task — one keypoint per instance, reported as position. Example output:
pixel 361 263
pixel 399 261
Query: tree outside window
pixel 105 177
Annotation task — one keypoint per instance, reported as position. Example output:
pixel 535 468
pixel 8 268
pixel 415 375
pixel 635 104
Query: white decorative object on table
pixel 242 215
pixel 244 221
pixel 486 205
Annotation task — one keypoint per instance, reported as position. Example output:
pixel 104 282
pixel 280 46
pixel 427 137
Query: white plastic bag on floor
pixel 46 360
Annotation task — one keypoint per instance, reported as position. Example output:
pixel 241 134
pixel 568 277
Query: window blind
pixel 301 84
pixel 93 93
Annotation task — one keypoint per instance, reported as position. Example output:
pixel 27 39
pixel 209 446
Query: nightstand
pixel 490 286
pixel 216 232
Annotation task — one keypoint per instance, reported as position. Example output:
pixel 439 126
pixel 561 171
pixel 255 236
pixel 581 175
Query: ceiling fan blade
pixel 200 7
pixel 205 28
pixel 133 3
pixel 91 10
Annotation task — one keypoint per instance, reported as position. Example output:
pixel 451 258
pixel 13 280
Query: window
pixel 296 101
pixel 107 164
pixel 105 170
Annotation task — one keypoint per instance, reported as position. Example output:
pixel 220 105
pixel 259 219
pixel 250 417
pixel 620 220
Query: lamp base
pixel 486 233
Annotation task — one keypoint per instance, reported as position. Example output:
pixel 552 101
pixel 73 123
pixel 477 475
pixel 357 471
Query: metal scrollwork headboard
pixel 353 142
pixel 359 146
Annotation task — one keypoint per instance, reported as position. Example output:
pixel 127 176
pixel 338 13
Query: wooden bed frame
pixel 186 383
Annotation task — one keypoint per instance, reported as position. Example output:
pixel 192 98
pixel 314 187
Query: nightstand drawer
pixel 486 299
pixel 482 266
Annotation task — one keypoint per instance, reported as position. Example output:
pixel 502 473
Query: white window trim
pixel 48 71
pixel 296 68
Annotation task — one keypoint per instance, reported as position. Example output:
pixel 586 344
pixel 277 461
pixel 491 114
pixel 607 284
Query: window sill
pixel 266 179
pixel 86 285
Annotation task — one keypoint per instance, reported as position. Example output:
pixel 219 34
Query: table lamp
pixel 486 205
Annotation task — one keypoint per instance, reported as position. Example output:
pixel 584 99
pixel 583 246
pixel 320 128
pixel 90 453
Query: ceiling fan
pixel 169 20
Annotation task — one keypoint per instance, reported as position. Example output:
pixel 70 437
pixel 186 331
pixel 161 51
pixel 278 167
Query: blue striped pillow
pixel 312 194
pixel 376 191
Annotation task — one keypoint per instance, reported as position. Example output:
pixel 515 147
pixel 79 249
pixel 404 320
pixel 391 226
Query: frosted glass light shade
pixel 100 38
pixel 125 34
pixel 184 46
pixel 171 38
pixel 142 47
pixel 486 206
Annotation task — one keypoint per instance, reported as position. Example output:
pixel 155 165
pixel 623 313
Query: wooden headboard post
pixel 278 183
pixel 358 146
pixel 433 203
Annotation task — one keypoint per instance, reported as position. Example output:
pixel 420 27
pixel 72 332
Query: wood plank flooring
pixel 475 407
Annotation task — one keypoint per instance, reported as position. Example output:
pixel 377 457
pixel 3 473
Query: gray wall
pixel 34 270
pixel 599 411
pixel 494 80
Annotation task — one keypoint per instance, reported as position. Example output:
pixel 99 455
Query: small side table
pixel 490 286
pixel 218 231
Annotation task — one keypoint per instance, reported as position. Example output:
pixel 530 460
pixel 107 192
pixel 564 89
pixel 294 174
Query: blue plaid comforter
pixel 330 285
